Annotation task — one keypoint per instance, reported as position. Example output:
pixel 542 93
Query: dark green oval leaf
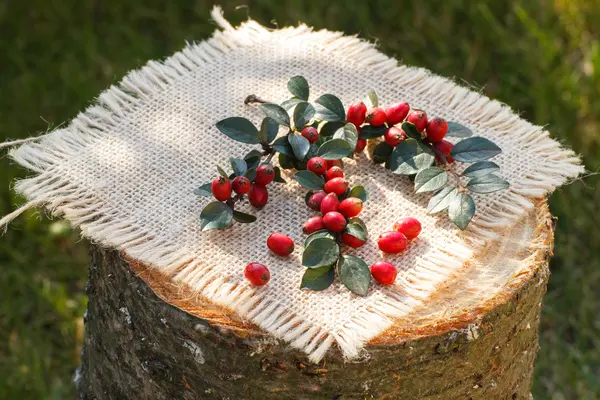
pixel 408 158
pixel 300 145
pixel 441 200
pixel 348 133
pixel 251 174
pixel 243 217
pixel 253 158
pixel 239 166
pixel 382 152
pixel 330 108
pixel 298 86
pixel 291 103
pixel 356 230
pixel 474 149
pixel 330 128
pixel 318 278
pixel 215 215
pixel 278 178
pixel 461 210
pixel 371 132
pixel 457 130
pixel 282 145
pixel 204 190
pixel 430 179
pixel 318 235
pixel 222 172
pixel 481 168
pixel 371 100
pixel 285 162
pixel 487 184
pixel 276 112
pixel 239 129
pixel 411 130
pixel 335 149
pixel 309 180
pixel 303 113
pixel 268 130
pixel 355 274
pixel 320 252
pixel 359 192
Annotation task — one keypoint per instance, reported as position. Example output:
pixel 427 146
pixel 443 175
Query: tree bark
pixel 138 346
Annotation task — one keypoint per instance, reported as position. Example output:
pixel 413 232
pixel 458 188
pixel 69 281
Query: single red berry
pixel 280 244
pixel 419 118
pixel 444 147
pixel 258 195
pixel 334 163
pixel 334 172
pixel 397 112
pixel 352 241
pixel 221 188
pixel 360 145
pixel 350 207
pixel 334 221
pixel 356 114
pixel 437 129
pixel 376 116
pixel 317 165
pixel 264 174
pixel 240 185
pixel 314 201
pixel 384 272
pixel 257 274
pixel 393 136
pixel 410 227
pixel 311 134
pixel 337 186
pixel 392 242
pixel 330 203
pixel 313 224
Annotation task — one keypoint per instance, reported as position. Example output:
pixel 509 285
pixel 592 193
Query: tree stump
pixel 147 338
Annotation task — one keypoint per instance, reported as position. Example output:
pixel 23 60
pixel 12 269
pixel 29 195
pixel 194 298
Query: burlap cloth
pixel 124 172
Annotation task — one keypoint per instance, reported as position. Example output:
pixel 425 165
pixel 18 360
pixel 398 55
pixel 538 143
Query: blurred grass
pixel 542 57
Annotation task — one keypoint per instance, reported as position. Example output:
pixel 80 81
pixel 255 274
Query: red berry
pixel 437 129
pixel 257 274
pixel 264 174
pixel 337 186
pixel 360 145
pixel 376 116
pixel 280 244
pixel 334 163
pixel 384 272
pixel 314 201
pixel 410 227
pixel 313 224
pixel 330 203
pixel 419 118
pixel 350 207
pixel 392 242
pixel 317 165
pixel 221 188
pixel 393 136
pixel 444 147
pixel 334 221
pixel 258 195
pixel 241 185
pixel 397 112
pixel 334 172
pixel 311 134
pixel 352 241
pixel 356 114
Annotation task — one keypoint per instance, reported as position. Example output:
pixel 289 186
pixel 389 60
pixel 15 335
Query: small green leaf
pixel 204 190
pixel 335 149
pixel 355 274
pixel 222 172
pixel 251 174
pixel 348 133
pixel 239 166
pixel 359 221
pixel 330 108
pixel 461 210
pixel 457 130
pixel 430 179
pixel 409 157
pixel 243 217
pixel 411 131
pixel 268 130
pixel 276 112
pixel 356 230
pixel 285 161
pixel 278 177
pixel 441 200
pixel 303 113
pixel 318 235
pixel 372 100
pixel 253 158
pixel 282 145
pixel 239 129
pixel 320 252
pixel 474 149
pixel 330 128
pixel 487 184
pixel 371 132
pixel 215 215
pixel 291 103
pixel 298 86
pixel 382 152
pixel 309 180
pixel 300 145
pixel 318 278
pixel 480 169
pixel 359 192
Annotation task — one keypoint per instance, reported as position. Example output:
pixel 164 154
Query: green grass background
pixel 542 57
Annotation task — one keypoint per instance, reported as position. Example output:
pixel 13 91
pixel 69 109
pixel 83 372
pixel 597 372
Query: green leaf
pixel 487 184
pixel 359 221
pixel 216 215
pixel 457 130
pixel 239 129
pixel 330 108
pixel 480 168
pixel 239 166
pixel 243 217
pixel 253 158
pixel 222 172
pixel 291 103
pixel 356 230
pixel 461 210
pixel 278 177
pixel 204 190
pixel 318 278
pixel 298 86
pixel 411 131
pixel 371 132
pixel 309 180
pixel 318 235
pixel 330 128
pixel 430 179
pixel 408 158
pixel 320 252
pixel 359 192
pixel 474 149
pixel 276 112
pixel 300 145
pixel 251 174
pixel 348 133
pixel 355 274
pixel 303 113
pixel 285 161
pixel 441 200
pixel 268 130
pixel 282 145
pixel 382 152
pixel 372 100
pixel 335 149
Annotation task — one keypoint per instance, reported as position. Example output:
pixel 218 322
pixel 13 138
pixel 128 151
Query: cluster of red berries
pixel 256 189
